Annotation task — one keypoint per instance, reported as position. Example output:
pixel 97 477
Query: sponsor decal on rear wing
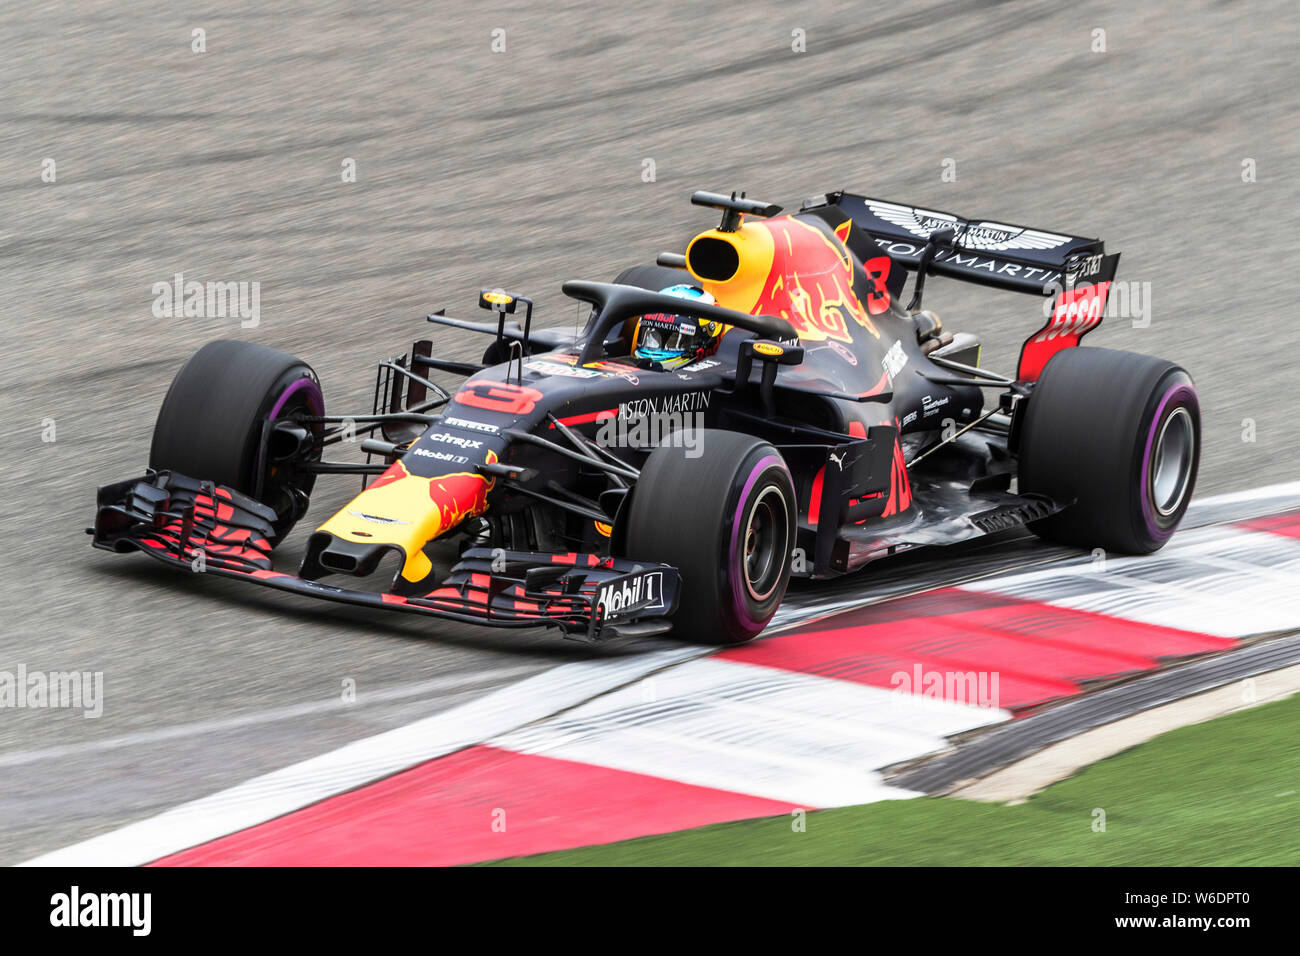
pixel 1073 273
pixel 998 254
pixel 1076 308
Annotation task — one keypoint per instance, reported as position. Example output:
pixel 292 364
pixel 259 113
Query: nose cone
pixel 399 509
pixel 327 554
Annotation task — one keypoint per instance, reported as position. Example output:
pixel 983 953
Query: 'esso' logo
pixel 1076 311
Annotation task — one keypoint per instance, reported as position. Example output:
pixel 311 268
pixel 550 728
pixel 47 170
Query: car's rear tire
pixel 726 520
pixel 1119 434
pixel 210 423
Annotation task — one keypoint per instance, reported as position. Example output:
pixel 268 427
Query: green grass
pixel 1218 793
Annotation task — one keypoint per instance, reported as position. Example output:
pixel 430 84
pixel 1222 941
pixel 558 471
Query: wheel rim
pixel 765 544
pixel 1172 465
pixel 285 489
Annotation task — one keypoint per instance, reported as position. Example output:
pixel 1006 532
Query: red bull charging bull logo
pixel 810 283
pixel 461 495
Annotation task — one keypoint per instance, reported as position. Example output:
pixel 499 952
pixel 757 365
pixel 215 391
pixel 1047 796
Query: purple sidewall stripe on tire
pixel 316 402
pixel 1180 390
pixel 737 587
pixel 305 382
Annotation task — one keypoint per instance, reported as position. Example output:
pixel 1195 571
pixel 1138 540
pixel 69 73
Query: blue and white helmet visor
pixel 674 340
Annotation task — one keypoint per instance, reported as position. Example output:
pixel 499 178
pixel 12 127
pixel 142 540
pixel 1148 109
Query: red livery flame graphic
pixel 811 283
pixel 461 495
pixel 900 489
pixel 394 472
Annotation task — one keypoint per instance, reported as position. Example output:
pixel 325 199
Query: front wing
pixel 193 524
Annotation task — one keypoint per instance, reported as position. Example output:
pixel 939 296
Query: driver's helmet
pixel 676 340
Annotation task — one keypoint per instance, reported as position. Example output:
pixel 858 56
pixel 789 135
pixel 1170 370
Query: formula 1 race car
pixel 758 407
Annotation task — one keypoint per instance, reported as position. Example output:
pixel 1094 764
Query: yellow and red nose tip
pixel 409 511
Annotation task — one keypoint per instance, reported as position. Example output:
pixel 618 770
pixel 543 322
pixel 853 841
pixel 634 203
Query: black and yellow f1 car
pixel 588 487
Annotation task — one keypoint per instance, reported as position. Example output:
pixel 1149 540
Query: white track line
pixel 1259 501
pixel 275 715
pixel 1219 580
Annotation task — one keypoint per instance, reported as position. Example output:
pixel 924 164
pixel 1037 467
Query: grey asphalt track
pixel 520 169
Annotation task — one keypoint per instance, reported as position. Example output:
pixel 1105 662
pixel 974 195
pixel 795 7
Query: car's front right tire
pixel 725 518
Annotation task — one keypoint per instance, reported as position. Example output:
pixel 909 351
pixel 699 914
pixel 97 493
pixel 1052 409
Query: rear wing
pixel 1073 272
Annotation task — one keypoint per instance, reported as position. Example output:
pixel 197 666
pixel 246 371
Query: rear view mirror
pixel 498 300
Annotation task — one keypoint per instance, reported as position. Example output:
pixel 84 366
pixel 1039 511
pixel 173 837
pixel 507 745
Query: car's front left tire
pixel 210 426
